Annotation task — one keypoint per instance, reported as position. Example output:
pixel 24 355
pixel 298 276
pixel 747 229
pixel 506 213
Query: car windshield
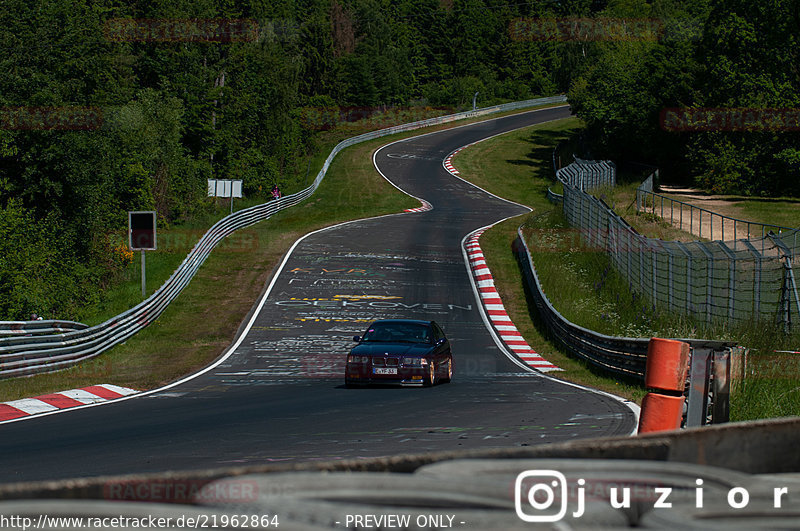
pixel 398 333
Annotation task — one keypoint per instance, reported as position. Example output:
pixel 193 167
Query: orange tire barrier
pixel 665 373
pixel 660 413
pixel 667 364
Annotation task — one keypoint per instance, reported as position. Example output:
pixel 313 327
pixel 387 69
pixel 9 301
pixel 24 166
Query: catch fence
pixel 739 280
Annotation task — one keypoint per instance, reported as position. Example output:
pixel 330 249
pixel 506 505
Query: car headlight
pixel 357 359
pixel 415 362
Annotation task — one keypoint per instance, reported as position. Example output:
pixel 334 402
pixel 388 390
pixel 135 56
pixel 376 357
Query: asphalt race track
pixel 279 395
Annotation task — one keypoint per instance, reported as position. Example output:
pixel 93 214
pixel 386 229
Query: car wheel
pixel 431 377
pixel 449 370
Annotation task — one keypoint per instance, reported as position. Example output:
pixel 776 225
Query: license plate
pixel 381 370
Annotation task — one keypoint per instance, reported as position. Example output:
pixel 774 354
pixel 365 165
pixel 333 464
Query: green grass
pixel 771 388
pixel 193 331
pixel 622 199
pixel 784 212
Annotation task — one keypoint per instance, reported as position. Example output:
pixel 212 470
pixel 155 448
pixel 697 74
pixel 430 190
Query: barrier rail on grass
pixel 53 351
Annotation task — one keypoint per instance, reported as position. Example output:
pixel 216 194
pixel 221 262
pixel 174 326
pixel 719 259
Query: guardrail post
pixel 721 387
pixel 144 277
pixel 699 375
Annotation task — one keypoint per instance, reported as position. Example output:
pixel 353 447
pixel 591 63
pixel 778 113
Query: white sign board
pixel 224 188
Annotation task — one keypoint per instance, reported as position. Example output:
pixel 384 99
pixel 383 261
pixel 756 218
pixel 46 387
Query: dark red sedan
pixel 400 351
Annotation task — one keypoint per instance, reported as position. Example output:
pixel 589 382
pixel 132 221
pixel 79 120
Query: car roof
pixel 403 321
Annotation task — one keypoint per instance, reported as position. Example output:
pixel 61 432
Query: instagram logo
pixel 544 491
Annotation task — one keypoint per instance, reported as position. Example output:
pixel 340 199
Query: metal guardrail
pixel 43 327
pixel 623 356
pixel 49 352
pixel 554 197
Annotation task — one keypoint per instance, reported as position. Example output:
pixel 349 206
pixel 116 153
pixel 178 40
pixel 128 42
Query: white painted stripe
pixel 121 390
pixel 84 397
pixel 505 328
pixel 527 348
pixel 494 307
pixel 485 283
pixel 31 406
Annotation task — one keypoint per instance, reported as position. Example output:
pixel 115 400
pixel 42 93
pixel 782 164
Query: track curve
pixel 278 396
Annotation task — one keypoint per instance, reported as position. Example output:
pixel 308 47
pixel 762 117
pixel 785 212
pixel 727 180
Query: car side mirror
pixel 356 339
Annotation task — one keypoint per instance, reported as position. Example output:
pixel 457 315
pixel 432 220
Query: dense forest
pixel 108 106
pixel 735 64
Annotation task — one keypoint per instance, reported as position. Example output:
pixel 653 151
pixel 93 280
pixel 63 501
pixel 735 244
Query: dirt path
pixel 708 224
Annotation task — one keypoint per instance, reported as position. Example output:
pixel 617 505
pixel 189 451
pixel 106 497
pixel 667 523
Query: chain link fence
pixel 717 281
